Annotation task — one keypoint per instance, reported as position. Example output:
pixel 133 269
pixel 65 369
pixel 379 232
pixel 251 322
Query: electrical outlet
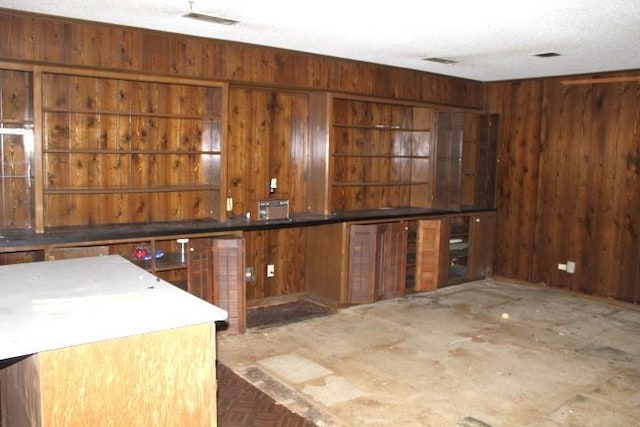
pixel 271 270
pixel 229 204
pixel 249 274
pixel 571 267
pixel 562 267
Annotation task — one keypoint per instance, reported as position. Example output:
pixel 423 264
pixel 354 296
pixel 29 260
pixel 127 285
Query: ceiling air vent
pixel 210 18
pixel 547 54
pixel 440 60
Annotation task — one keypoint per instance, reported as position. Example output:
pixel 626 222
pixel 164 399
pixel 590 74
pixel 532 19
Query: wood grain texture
pixel 286 250
pixel 71 42
pixel 568 184
pixel 130 151
pixel 432 254
pixel 164 378
pixel 16 152
pixel 326 263
pixel 519 105
pixel 268 137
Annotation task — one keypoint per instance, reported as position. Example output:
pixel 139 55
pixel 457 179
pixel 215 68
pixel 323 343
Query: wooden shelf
pixel 128 151
pixel 125 113
pixel 119 190
pixel 381 127
pixel 118 151
pixel 383 156
pixel 380 144
pixel 378 184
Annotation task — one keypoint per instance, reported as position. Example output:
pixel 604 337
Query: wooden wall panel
pixel 268 137
pixel 63 41
pixel 519 105
pixel 569 184
pixel 286 248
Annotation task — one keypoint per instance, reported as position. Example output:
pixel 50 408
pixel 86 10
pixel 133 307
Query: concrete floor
pixel 480 354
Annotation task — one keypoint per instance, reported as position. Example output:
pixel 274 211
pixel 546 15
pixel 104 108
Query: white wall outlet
pixel 249 274
pixel 271 270
pixel 229 204
pixel 562 267
pixel 571 267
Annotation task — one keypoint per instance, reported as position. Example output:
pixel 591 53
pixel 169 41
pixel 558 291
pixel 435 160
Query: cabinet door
pixel 362 263
pixel 479 159
pixel 448 168
pixel 431 254
pixel 392 260
pixel 228 280
pixel 481 245
pixel 199 273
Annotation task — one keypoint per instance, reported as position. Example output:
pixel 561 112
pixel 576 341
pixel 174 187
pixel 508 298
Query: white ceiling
pixel 490 39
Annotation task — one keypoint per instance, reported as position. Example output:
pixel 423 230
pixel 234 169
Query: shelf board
pixel 115 190
pixel 378 183
pixel 47 110
pixel 380 127
pixel 383 156
pixel 129 151
pixel 170 261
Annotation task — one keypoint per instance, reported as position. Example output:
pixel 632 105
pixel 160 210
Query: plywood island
pixel 100 341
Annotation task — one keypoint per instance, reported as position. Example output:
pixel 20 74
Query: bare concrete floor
pixel 484 353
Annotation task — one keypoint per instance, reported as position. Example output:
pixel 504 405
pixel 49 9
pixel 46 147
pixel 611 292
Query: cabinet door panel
pixel 199 271
pixel 392 260
pixel 431 254
pixel 481 244
pixel 362 263
pixel 228 281
pixel 448 160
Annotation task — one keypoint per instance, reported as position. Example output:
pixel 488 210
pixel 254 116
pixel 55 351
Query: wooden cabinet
pixel 377 261
pixel 128 151
pixel 17 156
pixel 455 249
pixel 458 249
pixel 482 228
pixel 110 346
pixel 216 275
pixel 448 160
pixel 479 145
pixel 228 281
pixel 430 253
pixel 381 154
pixel 110 150
pixel 465 158
pixel 359 263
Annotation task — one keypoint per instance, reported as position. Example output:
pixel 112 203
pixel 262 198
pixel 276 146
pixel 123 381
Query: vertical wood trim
pixel 319 172
pixel 224 150
pixel 39 178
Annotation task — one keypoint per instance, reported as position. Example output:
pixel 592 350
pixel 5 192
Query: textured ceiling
pixel 490 40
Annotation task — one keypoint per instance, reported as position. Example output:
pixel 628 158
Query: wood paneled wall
pixel 51 40
pixel 267 137
pixel 286 249
pixel 569 184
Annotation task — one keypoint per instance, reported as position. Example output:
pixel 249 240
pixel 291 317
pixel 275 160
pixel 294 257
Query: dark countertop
pixel 15 240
